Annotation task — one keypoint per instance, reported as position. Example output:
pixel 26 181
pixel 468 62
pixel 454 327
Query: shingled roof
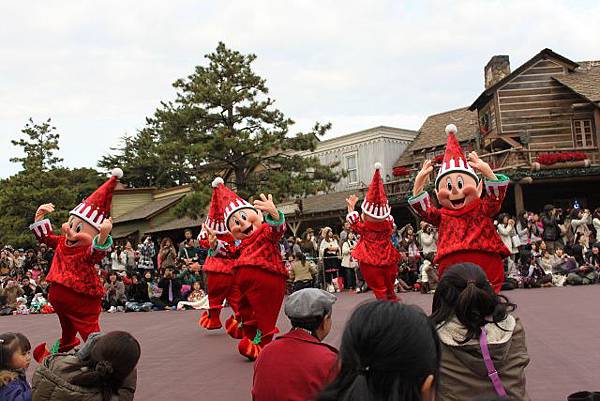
pixel 177 224
pixel 584 81
pixel 432 133
pixel 149 209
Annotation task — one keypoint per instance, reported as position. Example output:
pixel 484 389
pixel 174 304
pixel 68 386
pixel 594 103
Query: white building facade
pixel 358 152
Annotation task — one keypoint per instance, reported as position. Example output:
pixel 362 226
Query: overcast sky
pixel 99 68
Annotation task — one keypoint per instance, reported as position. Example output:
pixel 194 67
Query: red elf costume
pixel 75 290
pixel 259 272
pixel 466 232
pixel 376 255
pixel 219 270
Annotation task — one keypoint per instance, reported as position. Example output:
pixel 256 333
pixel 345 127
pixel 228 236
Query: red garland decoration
pixel 438 159
pixel 400 171
pixel 548 159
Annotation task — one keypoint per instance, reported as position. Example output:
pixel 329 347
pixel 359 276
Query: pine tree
pixel 223 123
pixel 41 180
pixel 39 148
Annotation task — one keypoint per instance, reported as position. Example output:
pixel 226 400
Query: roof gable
pixel 487 94
pixel 585 80
pixel 433 131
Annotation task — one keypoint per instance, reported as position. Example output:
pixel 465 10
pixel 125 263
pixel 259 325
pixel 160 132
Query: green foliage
pixel 39 147
pixel 40 181
pixel 223 123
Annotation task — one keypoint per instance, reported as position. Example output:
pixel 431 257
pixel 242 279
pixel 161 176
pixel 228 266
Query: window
pixel 583 135
pixel 352 168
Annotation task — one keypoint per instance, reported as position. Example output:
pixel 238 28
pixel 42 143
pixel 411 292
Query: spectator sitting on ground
pixel 297 365
pixel 465 309
pixel 171 290
pixel 114 298
pixel 585 273
pixel 593 258
pixel 196 299
pixel 302 272
pixel 138 297
pixel 104 369
pixel 389 351
pixel 12 292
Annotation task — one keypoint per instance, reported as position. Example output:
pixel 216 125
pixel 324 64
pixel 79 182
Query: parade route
pixel 181 361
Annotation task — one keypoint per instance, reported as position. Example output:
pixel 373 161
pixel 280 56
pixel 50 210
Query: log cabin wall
pixel 536 104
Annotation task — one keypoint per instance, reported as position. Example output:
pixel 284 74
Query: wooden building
pixel 141 211
pixel 539 124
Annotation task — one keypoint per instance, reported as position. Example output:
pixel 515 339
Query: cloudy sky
pixel 99 68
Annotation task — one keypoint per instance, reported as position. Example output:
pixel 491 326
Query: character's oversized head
pixel 78 232
pixel 456 184
pixel 229 212
pixel 85 219
pixel 244 222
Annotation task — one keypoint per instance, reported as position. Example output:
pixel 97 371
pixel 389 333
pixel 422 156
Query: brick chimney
pixel 496 69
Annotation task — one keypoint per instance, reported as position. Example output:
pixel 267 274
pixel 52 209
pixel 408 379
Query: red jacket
pixel 374 246
pixel 261 250
pixel 72 267
pixel 217 263
pixel 470 228
pixel 294 367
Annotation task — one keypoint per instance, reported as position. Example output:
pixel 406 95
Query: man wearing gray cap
pixel 297 365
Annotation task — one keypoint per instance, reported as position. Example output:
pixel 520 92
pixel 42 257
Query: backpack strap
pixel 489 364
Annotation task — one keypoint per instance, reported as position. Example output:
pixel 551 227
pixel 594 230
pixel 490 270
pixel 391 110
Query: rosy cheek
pixel 470 190
pixel 443 194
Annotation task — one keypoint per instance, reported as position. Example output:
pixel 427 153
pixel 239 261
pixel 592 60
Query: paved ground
pixel 180 361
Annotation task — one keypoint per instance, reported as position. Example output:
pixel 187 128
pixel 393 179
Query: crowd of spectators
pixel 148 277
pixel 552 248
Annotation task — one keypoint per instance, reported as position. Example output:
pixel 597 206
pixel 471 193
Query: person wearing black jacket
pixel 29 289
pixel 551 234
pixel 138 296
pixel 171 290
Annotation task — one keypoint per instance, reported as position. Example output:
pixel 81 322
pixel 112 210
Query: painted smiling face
pixel 244 222
pixel 78 232
pixel 456 190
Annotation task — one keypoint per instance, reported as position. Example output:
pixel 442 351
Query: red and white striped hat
pixel 216 212
pixel 96 207
pixel 454 157
pixel 376 203
pixel 229 200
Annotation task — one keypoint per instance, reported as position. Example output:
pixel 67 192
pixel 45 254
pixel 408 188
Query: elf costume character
pixel 377 257
pixel 75 291
pixel 219 270
pixel 259 272
pixel 466 232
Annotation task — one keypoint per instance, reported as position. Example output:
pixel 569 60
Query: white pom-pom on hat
pixel 377 166
pixel 116 172
pixel 451 128
pixel 217 181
